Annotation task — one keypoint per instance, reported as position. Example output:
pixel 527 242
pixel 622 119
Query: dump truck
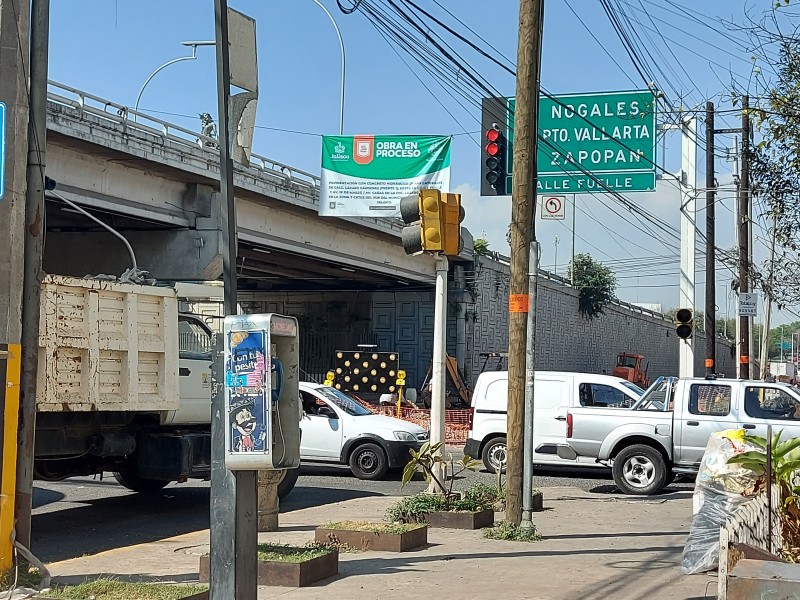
pixel 123 386
pixel 630 367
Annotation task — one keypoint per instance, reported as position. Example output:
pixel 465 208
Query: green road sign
pixel 610 135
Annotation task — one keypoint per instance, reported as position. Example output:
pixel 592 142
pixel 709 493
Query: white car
pixel 335 428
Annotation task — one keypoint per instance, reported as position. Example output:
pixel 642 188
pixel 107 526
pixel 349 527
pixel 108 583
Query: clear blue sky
pixel 109 47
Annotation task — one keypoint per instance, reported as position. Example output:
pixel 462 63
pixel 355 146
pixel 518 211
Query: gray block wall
pixel 569 342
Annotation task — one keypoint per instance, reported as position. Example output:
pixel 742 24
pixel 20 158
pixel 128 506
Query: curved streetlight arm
pixel 341 47
pixel 158 70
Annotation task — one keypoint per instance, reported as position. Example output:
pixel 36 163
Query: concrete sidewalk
pixel 595 547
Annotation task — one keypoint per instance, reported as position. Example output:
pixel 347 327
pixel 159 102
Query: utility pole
pixel 688 187
pixel 523 201
pixel 764 354
pixel 438 388
pixel 14 22
pixel 34 247
pixel 555 255
pixel 572 262
pixel 711 281
pixel 234 497
pixel 744 240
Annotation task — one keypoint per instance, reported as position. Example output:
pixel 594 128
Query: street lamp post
pixel 193 46
pixel 341 48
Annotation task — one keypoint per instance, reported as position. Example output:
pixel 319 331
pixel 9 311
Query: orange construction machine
pixel 630 367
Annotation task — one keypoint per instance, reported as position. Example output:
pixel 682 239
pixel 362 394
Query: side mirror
pixel 327 411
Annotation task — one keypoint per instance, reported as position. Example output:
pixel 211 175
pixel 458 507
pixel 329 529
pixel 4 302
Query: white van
pixel 555 394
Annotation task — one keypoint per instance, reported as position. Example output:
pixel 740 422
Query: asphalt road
pixel 86 515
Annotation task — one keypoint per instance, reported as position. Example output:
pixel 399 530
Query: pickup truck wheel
pixel 495 455
pixel 368 461
pixel 136 483
pixel 640 470
pixel 286 484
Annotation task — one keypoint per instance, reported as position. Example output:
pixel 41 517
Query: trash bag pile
pixel 721 490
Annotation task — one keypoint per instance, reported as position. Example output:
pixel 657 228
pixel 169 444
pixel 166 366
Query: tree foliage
pixel 774 152
pixel 595 282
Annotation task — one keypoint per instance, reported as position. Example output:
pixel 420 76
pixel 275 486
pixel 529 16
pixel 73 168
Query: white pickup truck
pixel 667 430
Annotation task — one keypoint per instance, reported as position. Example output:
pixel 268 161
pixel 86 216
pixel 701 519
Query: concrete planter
pixel 288 574
pixel 461 519
pixel 374 540
pixel 198 596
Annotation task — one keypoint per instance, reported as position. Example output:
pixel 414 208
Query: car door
pixel 775 405
pixel 709 409
pixel 550 416
pixel 194 347
pixel 321 428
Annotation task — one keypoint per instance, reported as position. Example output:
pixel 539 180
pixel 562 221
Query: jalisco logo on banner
pixel 366 176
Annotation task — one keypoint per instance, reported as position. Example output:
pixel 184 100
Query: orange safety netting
pixel 456 421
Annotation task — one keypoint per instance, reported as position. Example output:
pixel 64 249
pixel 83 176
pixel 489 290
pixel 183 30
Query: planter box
pixel 372 540
pixel 461 520
pixel 288 574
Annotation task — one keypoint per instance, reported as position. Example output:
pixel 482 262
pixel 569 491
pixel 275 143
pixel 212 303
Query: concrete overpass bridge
pixel 348 279
pixel 157 183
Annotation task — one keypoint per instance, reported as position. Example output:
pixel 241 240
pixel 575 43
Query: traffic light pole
pixel 711 280
pixel 438 367
pixel 688 236
pixel 530 368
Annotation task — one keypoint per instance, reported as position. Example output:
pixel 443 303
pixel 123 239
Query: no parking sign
pixel 553 207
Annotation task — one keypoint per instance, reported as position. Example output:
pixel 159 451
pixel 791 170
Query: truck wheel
pixel 368 461
pixel 136 483
pixel 495 455
pixel 640 470
pixel 286 484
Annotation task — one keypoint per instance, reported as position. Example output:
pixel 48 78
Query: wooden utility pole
pixel 34 249
pixel 711 280
pixel 523 202
pixel 14 17
pixel 744 240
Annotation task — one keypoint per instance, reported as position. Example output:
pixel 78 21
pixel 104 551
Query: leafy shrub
pixel 513 533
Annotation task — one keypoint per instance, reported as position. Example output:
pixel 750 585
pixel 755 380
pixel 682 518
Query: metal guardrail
pixel 147 125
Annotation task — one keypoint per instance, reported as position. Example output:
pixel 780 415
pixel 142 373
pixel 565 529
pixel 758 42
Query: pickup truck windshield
pixel 348 405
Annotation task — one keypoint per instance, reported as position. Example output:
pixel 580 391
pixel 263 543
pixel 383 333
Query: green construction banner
pixel 367 175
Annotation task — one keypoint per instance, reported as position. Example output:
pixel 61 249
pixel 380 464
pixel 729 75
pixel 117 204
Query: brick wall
pixel 567 341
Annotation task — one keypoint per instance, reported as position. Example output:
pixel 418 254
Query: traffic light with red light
pixel 684 323
pixel 494 159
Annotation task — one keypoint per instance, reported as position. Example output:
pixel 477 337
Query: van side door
pixel 708 408
pixel 766 404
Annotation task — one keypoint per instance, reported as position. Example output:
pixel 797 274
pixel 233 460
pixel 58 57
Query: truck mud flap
pixel 174 457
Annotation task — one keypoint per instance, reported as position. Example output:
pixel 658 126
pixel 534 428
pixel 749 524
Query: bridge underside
pixel 77 246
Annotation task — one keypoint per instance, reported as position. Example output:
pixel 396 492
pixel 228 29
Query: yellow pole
pixel 8 475
pixel 399 399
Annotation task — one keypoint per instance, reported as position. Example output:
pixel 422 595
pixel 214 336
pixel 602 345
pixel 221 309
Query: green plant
pixel 113 589
pixel 412 509
pixel 785 468
pixel 595 283
pixel 292 554
pixel 427 457
pixel 395 528
pixel 514 533
pixel 480 246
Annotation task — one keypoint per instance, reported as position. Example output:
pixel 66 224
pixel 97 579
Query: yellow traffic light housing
pixel 684 323
pixel 430 211
pixel 453 215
